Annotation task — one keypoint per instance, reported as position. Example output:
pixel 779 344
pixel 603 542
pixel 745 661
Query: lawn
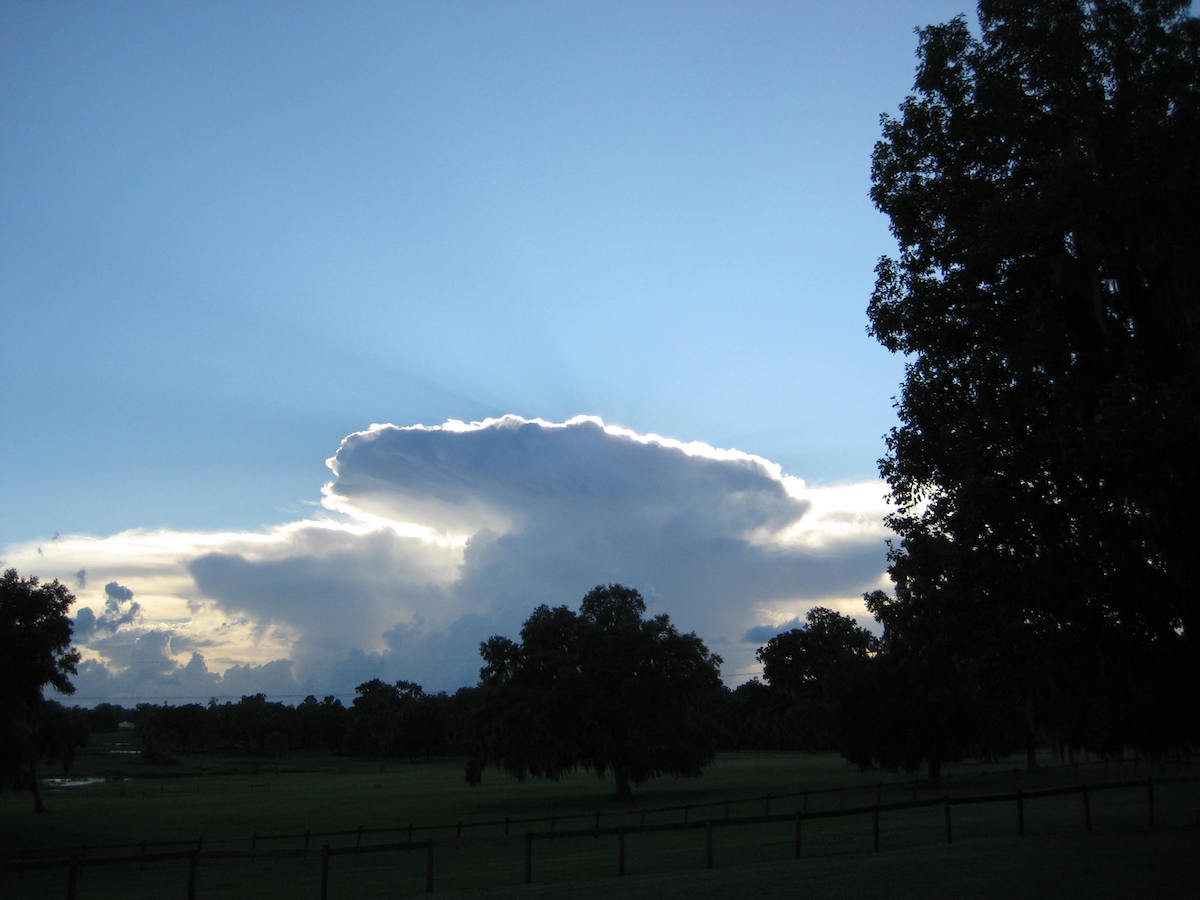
pixel 239 804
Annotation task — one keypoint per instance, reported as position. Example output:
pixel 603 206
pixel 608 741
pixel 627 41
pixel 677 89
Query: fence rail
pixel 554 820
pixel 1019 796
pixel 199 851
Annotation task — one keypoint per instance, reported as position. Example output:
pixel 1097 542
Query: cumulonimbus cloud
pixel 436 537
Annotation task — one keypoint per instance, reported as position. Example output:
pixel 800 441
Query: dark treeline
pixel 828 686
pixel 397 721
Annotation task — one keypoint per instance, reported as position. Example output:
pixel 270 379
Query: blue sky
pixel 235 234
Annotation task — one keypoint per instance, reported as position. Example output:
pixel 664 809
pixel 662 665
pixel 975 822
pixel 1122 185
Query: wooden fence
pixel 553 822
pixel 198 851
pixel 196 856
pixel 875 811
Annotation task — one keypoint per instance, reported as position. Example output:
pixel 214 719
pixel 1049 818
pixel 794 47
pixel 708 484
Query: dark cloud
pixel 117 593
pixel 760 634
pixel 81 579
pixel 143 655
pixel 85 625
pixel 335 589
pixel 119 609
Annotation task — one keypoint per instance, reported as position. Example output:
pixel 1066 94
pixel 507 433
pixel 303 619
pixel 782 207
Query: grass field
pixel 234 804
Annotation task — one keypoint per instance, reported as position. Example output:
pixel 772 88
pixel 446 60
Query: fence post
pixel 597 823
pixel 1150 798
pixel 708 850
pixel 686 810
pixel 506 826
pixel 949 833
pixel 458 835
pixel 529 857
pixel 621 850
pixel 307 837
pixel 1020 813
pixel 767 805
pixel 253 844
pixel 324 872
pixel 799 819
pixel 142 856
pixel 1087 808
pixel 429 867
pixel 72 877
pixel 193 865
pixel 875 825
pixel 358 837
pixel 726 810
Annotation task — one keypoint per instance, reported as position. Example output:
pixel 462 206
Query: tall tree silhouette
pixel 1042 182
pixel 35 651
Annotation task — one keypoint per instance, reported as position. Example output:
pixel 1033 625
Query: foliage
pixel 397 720
pixel 604 688
pixel 1041 182
pixel 35 634
pixel 805 668
pixel 35 651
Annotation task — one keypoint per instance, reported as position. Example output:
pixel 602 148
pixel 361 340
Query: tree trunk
pixel 935 768
pixel 624 792
pixel 1030 736
pixel 38 805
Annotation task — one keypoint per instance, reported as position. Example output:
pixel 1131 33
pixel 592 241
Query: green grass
pixel 235 798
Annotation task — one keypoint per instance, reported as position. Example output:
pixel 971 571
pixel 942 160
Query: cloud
pixel 760 634
pixel 119 609
pixel 434 538
pixel 158 677
pixel 116 593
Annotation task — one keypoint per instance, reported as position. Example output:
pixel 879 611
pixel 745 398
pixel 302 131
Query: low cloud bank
pixel 434 538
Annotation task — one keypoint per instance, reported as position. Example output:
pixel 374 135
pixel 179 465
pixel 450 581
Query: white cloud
pixel 437 537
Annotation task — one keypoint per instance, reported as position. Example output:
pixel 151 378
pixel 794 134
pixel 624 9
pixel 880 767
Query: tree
pixel 323 724
pixel 1042 184
pixel 35 651
pixel 388 717
pixel 803 667
pixel 604 688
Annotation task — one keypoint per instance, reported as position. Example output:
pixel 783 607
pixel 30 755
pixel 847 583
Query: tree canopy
pixel 806 669
pixel 35 651
pixel 1042 183
pixel 604 688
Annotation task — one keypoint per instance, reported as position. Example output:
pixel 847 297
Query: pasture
pixel 255 809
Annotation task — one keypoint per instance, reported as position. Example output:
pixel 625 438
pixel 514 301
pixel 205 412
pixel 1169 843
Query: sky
pixel 340 336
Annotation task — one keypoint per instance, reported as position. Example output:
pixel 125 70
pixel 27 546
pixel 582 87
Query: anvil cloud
pixel 433 538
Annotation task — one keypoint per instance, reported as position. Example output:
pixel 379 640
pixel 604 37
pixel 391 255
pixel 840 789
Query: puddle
pixel 70 782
